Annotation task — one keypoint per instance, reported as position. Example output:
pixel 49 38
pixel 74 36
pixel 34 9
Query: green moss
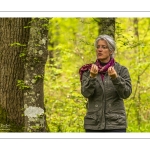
pixel 6 125
pixel 22 85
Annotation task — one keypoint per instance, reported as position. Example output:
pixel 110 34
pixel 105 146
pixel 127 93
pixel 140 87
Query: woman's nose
pixel 100 49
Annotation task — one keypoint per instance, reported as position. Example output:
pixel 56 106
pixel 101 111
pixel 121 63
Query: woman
pixel 105 83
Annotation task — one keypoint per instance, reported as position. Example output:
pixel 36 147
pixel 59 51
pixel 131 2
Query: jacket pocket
pixel 116 119
pixel 90 118
pixel 121 120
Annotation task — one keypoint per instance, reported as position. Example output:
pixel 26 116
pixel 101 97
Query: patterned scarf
pixel 101 69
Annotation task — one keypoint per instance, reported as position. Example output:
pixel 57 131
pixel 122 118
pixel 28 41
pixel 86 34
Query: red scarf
pixel 101 69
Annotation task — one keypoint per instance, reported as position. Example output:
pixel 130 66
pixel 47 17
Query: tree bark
pixel 36 58
pixel 13 42
pixel 106 26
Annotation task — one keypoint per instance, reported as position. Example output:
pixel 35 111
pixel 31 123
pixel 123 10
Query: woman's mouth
pixel 100 54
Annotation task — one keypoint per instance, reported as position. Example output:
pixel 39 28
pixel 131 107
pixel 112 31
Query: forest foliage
pixel 71 45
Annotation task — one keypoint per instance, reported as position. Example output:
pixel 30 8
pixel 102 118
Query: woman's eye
pixel 103 47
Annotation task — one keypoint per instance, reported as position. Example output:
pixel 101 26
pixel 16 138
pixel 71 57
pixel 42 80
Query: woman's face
pixel 102 51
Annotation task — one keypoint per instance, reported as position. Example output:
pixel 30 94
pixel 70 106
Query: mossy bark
pixel 36 58
pixel 106 26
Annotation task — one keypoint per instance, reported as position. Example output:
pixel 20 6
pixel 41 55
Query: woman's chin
pixel 100 58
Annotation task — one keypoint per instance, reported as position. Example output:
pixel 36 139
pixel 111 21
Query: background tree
pixel 106 26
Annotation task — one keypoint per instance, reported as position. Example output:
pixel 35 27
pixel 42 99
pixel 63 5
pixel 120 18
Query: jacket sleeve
pixel 87 85
pixel 123 83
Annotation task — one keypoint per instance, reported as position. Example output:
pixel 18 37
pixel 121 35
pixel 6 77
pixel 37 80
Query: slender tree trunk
pixel 54 55
pixel 137 51
pixel 13 42
pixel 37 53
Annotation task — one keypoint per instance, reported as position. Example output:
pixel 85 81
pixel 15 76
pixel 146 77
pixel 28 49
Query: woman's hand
pixel 93 71
pixel 112 72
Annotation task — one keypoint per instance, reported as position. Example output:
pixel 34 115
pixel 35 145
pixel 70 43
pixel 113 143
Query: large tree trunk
pixel 13 41
pixel 106 26
pixel 37 53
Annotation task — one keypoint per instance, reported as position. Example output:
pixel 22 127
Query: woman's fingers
pixel 112 72
pixel 94 70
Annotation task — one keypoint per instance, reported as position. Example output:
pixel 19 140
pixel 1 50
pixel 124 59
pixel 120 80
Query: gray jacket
pixel 105 106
